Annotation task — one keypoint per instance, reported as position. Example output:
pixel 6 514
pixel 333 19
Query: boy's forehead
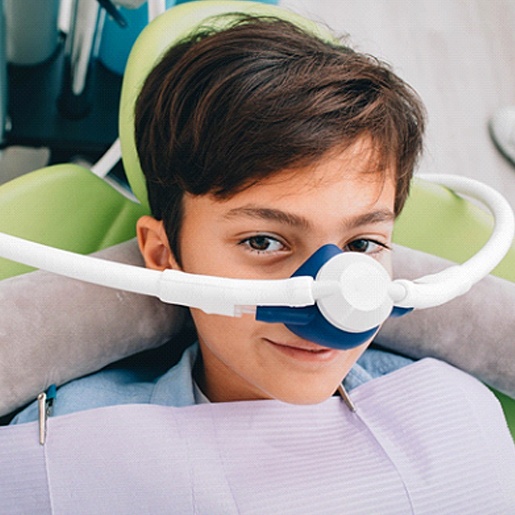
pixel 359 165
pixel 359 161
pixel 356 167
pixel 348 184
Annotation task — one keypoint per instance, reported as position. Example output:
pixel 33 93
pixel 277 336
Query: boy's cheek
pixel 385 259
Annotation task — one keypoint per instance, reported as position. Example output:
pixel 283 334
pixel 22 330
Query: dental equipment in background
pixel 337 299
pixel 74 102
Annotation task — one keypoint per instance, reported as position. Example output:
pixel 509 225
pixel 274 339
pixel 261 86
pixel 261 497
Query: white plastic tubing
pixel 211 294
pixel 434 290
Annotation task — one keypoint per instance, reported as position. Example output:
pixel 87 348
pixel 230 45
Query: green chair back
pixel 67 207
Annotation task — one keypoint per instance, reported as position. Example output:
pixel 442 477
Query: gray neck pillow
pixel 54 329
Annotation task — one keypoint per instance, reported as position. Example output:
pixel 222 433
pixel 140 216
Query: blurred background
pixel 460 57
pixel 458 54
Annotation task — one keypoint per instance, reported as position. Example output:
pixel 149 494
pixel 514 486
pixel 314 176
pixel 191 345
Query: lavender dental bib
pixel 425 439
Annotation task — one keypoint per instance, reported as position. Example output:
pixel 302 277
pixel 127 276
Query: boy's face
pixel 265 232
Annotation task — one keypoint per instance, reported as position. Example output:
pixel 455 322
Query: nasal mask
pixel 336 299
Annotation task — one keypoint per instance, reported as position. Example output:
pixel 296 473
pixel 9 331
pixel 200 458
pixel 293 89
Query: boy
pixel 286 144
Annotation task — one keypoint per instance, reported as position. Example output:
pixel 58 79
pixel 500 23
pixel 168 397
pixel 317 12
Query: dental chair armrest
pixel 474 332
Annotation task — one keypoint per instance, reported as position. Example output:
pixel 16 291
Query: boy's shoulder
pixel 114 386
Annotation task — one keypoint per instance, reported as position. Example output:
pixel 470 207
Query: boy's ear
pixel 153 244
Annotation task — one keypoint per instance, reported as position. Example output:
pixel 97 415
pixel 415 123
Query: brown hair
pixel 225 109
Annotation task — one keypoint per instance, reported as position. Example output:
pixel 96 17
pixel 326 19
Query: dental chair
pixel 68 207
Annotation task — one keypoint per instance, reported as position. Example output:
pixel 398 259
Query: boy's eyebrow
pixel 294 220
pixel 373 217
pixel 273 215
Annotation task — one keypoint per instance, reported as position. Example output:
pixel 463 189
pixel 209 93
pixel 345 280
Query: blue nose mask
pixel 308 322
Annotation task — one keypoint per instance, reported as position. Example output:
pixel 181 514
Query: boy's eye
pixel 365 246
pixel 261 243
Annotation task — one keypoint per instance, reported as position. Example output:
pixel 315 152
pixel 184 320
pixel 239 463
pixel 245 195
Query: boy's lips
pixel 304 351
